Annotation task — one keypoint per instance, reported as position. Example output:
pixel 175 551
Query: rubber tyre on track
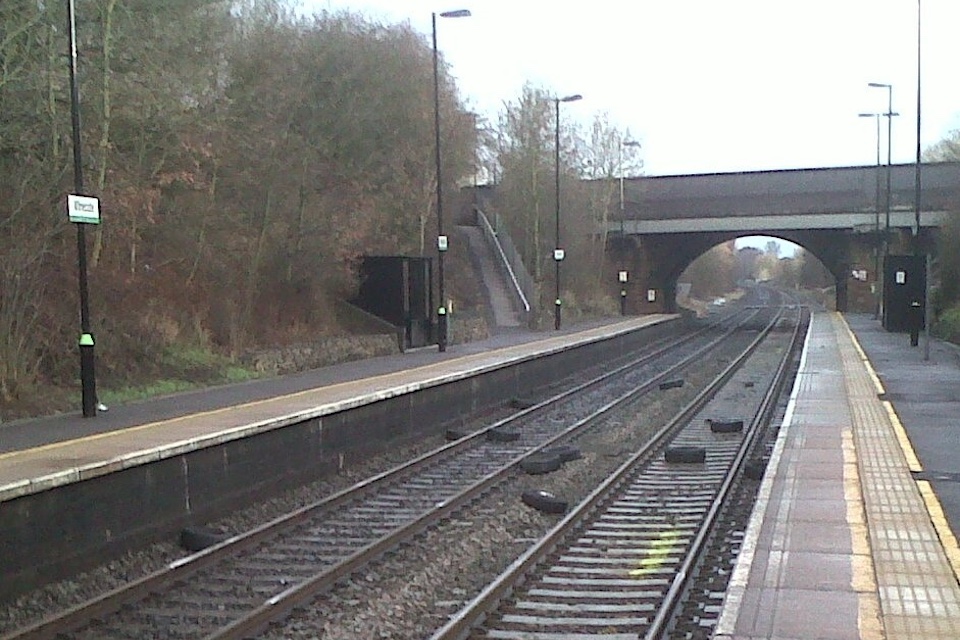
pixel 503 435
pixel 540 463
pixel 457 433
pixel 755 469
pixel 725 425
pixel 567 452
pixel 522 403
pixel 685 454
pixel 671 384
pixel 195 539
pixel 544 501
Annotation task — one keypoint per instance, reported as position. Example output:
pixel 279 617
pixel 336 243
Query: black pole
pixel 876 228
pixel 927 305
pixel 88 378
pixel 556 255
pixel 886 235
pixel 442 309
pixel 916 213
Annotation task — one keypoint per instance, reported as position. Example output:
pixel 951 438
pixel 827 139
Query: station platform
pixel 36 455
pixel 849 540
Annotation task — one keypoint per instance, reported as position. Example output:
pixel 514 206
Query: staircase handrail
pixel 493 236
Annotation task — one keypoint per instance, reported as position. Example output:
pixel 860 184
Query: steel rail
pixel 661 622
pixel 473 615
pixel 182 569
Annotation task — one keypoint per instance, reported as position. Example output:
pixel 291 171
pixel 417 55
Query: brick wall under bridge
pixel 833 213
pixel 655 262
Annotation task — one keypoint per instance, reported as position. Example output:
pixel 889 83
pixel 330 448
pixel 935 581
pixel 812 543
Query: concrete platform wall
pixel 46 535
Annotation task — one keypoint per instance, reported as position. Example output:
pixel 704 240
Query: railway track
pixel 237 587
pixel 618 565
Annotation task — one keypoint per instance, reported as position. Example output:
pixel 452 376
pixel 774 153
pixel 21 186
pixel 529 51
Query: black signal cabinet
pixel 904 291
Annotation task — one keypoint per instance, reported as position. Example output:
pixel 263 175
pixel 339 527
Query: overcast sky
pixel 710 85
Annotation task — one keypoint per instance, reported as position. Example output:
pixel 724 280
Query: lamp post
pixel 876 220
pixel 622 275
pixel 441 239
pixel 88 376
pixel 623 143
pixel 927 307
pixel 889 114
pixel 558 252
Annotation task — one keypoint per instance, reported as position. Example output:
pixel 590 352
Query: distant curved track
pixel 617 566
pixel 236 588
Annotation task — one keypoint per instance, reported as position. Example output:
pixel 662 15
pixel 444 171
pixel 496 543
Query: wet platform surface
pixel 846 542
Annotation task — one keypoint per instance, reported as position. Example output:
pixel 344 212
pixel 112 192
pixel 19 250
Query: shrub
pixel 948 325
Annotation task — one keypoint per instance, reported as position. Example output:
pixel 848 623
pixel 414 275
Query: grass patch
pixel 184 368
pixel 948 325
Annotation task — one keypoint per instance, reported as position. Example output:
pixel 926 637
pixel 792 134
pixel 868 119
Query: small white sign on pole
pixel 83 209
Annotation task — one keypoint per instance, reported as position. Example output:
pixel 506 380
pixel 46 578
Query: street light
pixel 927 307
pixel 622 276
pixel 623 143
pixel 441 239
pixel 889 114
pixel 558 252
pixel 88 376
pixel 876 220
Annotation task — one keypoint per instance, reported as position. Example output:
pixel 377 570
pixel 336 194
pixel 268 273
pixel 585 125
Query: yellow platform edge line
pixel 645 321
pixel 934 509
pixel 863 356
pixel 913 462
pixel 939 520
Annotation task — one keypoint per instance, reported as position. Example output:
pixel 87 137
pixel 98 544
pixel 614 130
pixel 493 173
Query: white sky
pixel 709 85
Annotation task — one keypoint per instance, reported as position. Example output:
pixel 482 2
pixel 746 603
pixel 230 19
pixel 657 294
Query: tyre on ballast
pixel 755 469
pixel 522 403
pixel 540 463
pixel 195 539
pixel 567 452
pixel 457 433
pixel 544 501
pixel 725 425
pixel 671 384
pixel 503 435
pixel 685 454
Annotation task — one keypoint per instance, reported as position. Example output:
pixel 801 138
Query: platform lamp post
pixel 623 143
pixel 558 253
pixel 81 210
pixel 876 221
pixel 928 311
pixel 622 275
pixel 877 277
pixel 441 239
pixel 889 115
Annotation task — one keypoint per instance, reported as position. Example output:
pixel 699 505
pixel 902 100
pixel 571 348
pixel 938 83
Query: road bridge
pixel 839 215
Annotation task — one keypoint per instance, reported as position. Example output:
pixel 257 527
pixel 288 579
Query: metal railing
pixel 510 263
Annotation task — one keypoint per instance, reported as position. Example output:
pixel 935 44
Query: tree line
pixel 245 157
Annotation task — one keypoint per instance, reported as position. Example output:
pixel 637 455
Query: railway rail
pixel 237 587
pixel 619 564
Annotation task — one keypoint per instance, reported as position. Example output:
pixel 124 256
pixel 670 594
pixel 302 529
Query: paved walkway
pixel 842 545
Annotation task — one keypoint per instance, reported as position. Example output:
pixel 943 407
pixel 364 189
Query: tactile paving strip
pixel 919 593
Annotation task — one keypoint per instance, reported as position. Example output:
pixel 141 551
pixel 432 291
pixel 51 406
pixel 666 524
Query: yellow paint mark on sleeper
pixel 656 555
